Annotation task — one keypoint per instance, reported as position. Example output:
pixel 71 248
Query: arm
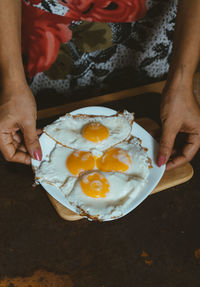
pixel 10 48
pixel 17 104
pixel 179 109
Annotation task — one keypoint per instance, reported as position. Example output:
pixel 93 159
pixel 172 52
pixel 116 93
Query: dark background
pixel 166 226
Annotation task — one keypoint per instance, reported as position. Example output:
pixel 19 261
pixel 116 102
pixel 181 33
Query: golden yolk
pixel 114 159
pixel 80 161
pixel 95 185
pixel 95 132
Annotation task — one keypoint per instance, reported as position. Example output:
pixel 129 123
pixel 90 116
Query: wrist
pixel 12 70
pixel 13 78
pixel 179 77
pixel 15 88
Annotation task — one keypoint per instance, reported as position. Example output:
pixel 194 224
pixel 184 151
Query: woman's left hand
pixel 180 113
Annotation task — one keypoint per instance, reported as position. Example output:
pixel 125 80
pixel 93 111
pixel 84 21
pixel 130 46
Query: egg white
pixel 124 187
pixel 140 162
pixel 53 170
pixel 67 130
pixel 123 190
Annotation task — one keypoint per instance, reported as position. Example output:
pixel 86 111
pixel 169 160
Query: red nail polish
pixel 161 160
pixel 38 154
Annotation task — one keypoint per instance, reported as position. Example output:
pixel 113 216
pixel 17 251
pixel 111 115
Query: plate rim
pixel 60 196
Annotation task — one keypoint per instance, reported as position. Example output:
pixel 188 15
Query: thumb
pixel 166 144
pixel 31 140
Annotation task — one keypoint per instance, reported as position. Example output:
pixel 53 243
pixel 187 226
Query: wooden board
pixel 170 178
pixel 100 100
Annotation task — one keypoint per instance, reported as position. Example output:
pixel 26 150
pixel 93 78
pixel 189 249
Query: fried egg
pixel 88 132
pixel 100 187
pixel 64 165
pixel 103 195
pixel 96 164
pixel 127 157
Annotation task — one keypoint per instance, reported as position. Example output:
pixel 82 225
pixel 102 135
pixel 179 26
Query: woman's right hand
pixel 18 135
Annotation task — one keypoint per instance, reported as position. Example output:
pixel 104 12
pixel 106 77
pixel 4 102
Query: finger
pixel 22 148
pixel 17 141
pixel 9 151
pixel 16 137
pixel 31 140
pixel 21 157
pixel 166 144
pixel 188 153
pixel 39 132
pixel 19 146
pixel 156 134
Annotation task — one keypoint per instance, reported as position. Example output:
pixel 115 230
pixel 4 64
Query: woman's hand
pixel 179 113
pixel 18 134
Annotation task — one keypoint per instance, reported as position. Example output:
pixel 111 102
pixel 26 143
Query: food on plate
pixel 128 157
pixel 89 132
pixel 52 169
pixel 96 164
pixel 103 195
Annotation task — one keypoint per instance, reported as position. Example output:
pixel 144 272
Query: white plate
pixel 147 141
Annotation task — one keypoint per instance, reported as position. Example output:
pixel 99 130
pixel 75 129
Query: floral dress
pixel 98 46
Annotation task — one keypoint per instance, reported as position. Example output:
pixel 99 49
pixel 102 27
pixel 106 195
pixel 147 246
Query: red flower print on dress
pixel 42 34
pixel 34 2
pixel 105 10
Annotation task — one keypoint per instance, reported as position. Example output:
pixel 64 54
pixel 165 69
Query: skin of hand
pixel 18 134
pixel 179 113
pixel 179 109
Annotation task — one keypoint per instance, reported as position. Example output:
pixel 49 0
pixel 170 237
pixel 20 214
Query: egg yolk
pixel 94 185
pixel 114 159
pixel 95 132
pixel 80 161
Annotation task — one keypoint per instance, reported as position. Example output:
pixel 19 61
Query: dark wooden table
pixel 156 245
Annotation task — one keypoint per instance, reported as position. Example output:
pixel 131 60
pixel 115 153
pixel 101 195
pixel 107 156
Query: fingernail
pixel 38 154
pixel 161 160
